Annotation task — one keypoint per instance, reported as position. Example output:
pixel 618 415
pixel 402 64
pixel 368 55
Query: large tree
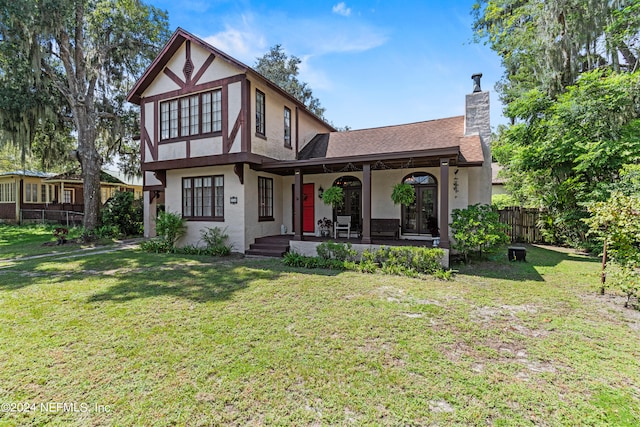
pixel 81 57
pixel 572 90
pixel 282 69
pixel 547 44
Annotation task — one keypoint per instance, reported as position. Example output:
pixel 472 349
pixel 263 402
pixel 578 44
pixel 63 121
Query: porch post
pixel 366 203
pixel 444 203
pixel 297 205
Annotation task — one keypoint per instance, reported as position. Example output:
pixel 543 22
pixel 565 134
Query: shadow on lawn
pixel 499 267
pixel 140 275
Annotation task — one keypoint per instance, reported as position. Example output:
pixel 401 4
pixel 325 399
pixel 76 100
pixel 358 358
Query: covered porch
pixel 374 219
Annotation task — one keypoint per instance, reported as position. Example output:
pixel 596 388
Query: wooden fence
pixel 522 224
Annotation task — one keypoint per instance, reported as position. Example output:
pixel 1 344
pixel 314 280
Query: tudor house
pixel 225 147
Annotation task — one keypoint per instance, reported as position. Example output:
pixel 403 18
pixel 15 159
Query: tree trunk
pixel 90 163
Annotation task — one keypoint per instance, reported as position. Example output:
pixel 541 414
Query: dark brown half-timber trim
pixel 161 175
pixel 234 133
pixel 153 188
pixel 215 160
pixel 156 134
pixel 187 70
pixel 204 68
pixel 169 50
pixel 174 44
pixel 143 135
pixel 174 77
pixel 225 118
pixel 188 148
pixel 197 88
pixel 297 135
pixel 238 169
pixel 433 153
pixel 149 144
pixel 246 116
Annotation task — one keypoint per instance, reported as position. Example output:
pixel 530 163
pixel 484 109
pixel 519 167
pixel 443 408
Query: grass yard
pixel 18 241
pixel 143 339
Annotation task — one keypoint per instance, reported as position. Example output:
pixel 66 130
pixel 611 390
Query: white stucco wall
pixel 233 214
pixel 219 69
pixel 235 104
pixel 253 227
pixel 172 150
pixel 206 146
pixel 273 145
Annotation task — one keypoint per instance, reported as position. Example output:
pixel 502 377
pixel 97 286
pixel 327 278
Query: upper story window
pixel 191 115
pixel 287 127
pixel 260 113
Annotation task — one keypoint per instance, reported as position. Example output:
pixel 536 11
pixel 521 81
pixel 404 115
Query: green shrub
pixel 407 259
pixel 170 227
pixel 339 251
pixel 157 246
pixel 293 259
pixel 403 260
pixel 107 232
pixel 216 240
pixel 124 213
pixel 477 229
pixel 502 201
pixel 616 224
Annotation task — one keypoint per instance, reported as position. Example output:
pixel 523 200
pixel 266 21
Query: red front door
pixel 308 209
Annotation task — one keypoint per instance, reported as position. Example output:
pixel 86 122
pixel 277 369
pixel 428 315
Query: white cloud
pixel 341 9
pixel 242 41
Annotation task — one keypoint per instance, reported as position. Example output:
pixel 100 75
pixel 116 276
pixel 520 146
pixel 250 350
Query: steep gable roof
pixel 163 58
pixel 173 45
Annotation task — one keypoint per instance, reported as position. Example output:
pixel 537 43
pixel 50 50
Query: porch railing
pixel 45 216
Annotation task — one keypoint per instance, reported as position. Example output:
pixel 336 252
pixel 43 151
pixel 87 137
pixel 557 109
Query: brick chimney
pixel 477 122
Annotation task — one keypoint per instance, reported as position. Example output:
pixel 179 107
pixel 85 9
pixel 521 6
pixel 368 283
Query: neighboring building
pixel 497 181
pixel 34 195
pixel 226 147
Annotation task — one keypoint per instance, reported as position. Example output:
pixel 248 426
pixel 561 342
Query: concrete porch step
pixel 275 253
pixel 270 246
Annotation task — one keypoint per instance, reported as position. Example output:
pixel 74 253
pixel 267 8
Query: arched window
pixel 352 206
pixel 421 217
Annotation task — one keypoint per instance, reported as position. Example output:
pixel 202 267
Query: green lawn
pixel 19 241
pixel 179 340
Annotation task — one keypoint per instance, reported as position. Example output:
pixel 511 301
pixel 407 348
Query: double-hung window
pixel 31 193
pixel 260 113
pixel 191 115
pixel 265 199
pixel 7 192
pixel 287 127
pixel 203 197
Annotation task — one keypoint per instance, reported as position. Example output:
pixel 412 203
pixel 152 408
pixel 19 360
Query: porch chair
pixel 342 223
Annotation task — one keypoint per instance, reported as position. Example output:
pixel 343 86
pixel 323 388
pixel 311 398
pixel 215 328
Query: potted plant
pixel 333 196
pixel 325 226
pixel 403 194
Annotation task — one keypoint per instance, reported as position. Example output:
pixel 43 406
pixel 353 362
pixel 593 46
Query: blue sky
pixel 370 63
